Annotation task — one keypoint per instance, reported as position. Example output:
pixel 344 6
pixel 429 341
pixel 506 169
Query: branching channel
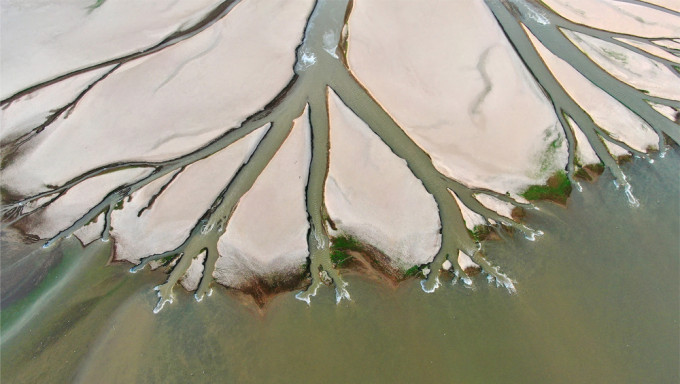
pixel 319 71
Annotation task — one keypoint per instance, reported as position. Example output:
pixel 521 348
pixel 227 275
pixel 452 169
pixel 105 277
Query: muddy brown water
pixel 598 301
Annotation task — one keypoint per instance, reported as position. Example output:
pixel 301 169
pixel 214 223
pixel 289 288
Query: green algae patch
pixel 350 254
pixel 589 172
pixel 118 205
pixel 341 247
pixel 596 168
pixel 480 232
pixel 583 174
pixel 167 260
pixel 340 258
pixel 345 242
pixel 414 270
pixel 548 159
pixel 557 189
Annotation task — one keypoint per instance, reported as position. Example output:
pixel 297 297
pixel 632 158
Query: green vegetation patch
pixel 339 249
pixel 119 205
pixel 167 260
pixel 480 232
pixel 345 242
pixel 97 4
pixel 339 258
pixel 412 271
pixel 597 168
pixel 557 189
pixel 583 174
pixel 589 172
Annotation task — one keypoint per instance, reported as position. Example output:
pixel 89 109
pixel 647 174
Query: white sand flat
pixel 456 87
pixel 629 67
pixel 174 213
pixel 372 195
pixel 172 102
pixel 41 32
pixel 619 16
pixel 620 122
pixel 268 231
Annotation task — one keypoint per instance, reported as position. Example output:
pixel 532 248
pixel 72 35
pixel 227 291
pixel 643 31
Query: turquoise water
pixel 598 301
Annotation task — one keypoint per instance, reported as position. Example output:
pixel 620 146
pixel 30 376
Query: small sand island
pixel 273 145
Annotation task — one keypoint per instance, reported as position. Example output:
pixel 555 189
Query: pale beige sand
pixel 616 150
pixel 155 108
pixel 483 132
pixel 673 44
pixel 31 111
pixel 63 212
pixel 466 262
pixel 469 102
pixel 194 273
pixel 472 218
pixel 91 231
pixel 665 110
pixel 620 16
pixel 629 67
pixel 41 31
pixel 268 231
pixel 372 195
pixel 607 112
pixel 170 219
pixel 501 207
pixel 653 49
pixel 446 265
pixel 585 154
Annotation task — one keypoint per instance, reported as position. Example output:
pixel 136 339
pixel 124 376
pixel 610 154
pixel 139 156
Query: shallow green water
pixel 598 301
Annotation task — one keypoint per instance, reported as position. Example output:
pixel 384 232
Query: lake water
pixel 598 301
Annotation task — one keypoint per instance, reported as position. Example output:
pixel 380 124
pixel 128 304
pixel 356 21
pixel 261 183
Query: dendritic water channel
pixel 264 169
